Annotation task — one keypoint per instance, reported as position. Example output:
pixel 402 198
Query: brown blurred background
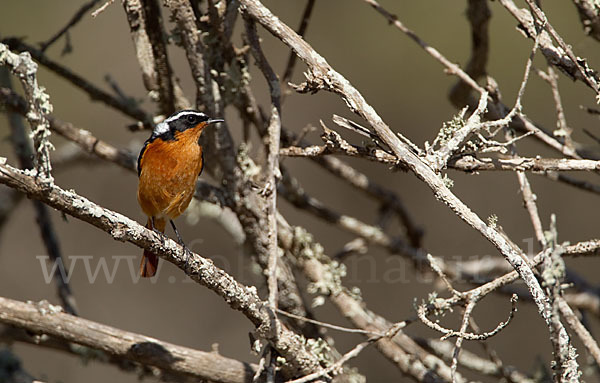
pixel 406 87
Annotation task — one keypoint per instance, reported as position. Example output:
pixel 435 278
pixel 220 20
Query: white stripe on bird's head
pixel 183 113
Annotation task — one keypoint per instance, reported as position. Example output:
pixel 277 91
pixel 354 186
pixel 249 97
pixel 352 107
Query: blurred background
pixel 409 91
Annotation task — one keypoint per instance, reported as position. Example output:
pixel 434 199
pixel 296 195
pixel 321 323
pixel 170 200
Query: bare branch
pixel 520 164
pixel 323 76
pixel 39 107
pixel 562 128
pixel 474 362
pixel 291 63
pixel 25 154
pixel 272 172
pixel 590 17
pixel 402 350
pixel 202 270
pixel 562 58
pixel 586 338
pixel 422 312
pixel 457 346
pixel 496 110
pixel 589 76
pixel 529 200
pixel 43 318
pixel 145 22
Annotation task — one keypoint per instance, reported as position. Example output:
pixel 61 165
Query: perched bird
pixel 168 166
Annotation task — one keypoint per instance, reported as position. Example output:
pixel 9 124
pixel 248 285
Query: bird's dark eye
pixel 192 119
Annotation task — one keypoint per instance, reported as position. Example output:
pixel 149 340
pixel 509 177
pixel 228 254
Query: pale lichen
pixel 448 182
pixel 321 349
pixel 248 167
pixel 492 221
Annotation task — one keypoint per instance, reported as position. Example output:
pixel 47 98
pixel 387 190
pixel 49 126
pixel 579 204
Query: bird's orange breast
pixel 168 173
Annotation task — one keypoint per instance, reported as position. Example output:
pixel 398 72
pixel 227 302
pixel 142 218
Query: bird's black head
pixel 181 121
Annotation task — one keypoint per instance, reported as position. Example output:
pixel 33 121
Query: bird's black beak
pixel 214 120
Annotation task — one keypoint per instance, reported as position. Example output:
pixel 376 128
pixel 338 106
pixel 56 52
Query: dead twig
pixel 39 107
pixel 65 30
pixel 25 154
pixel 272 172
pixel 80 82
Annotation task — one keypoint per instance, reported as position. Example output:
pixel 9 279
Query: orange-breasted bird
pixel 168 166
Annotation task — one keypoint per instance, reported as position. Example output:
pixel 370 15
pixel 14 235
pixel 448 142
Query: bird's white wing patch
pixel 161 128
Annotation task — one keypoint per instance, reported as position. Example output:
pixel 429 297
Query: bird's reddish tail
pixel 149 263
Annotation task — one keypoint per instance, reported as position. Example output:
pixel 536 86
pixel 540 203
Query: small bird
pixel 168 166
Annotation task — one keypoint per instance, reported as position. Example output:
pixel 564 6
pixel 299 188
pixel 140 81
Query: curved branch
pixel 239 297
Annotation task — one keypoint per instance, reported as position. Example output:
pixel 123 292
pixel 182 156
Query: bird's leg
pixel 185 248
pixel 160 233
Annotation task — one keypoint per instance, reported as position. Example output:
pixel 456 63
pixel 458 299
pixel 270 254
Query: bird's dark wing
pixel 139 161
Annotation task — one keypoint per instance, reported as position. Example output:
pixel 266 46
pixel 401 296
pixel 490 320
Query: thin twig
pixel 80 82
pixel 438 270
pixel 529 199
pixel 272 167
pixel 390 333
pixel 102 8
pixel 561 121
pixel 474 362
pixel 328 325
pixel 291 63
pixel 463 328
pixel 496 109
pixel 518 106
pixel 465 163
pixel 74 20
pixel 338 364
pixel 422 312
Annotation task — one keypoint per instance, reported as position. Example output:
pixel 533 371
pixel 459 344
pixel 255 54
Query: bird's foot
pixel 161 235
pixel 186 255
